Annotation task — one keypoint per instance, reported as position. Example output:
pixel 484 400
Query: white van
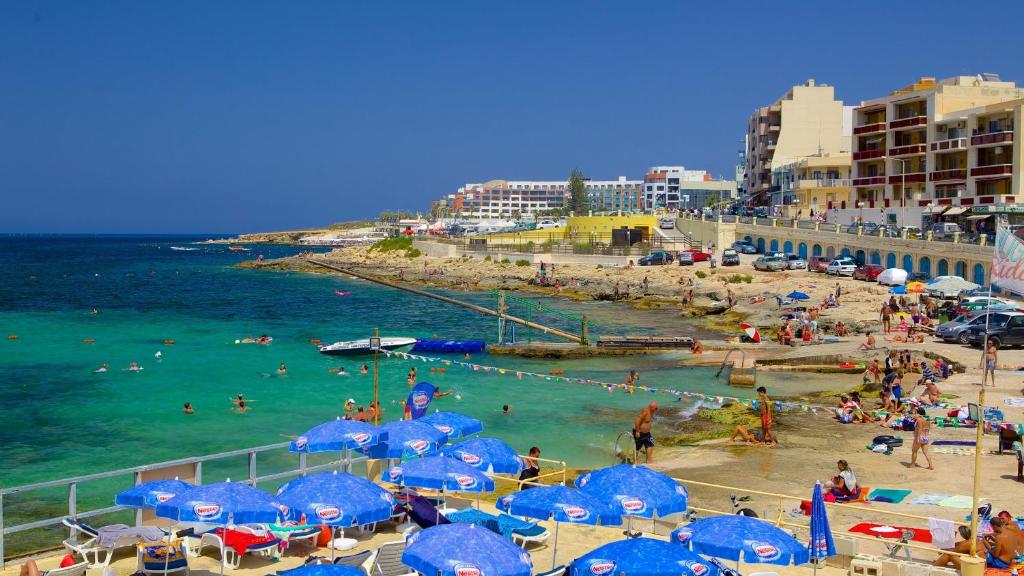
pixel 941 230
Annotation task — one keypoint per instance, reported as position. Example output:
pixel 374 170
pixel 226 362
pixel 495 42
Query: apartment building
pixel 937 148
pixel 663 185
pixel 812 185
pixel 806 121
pixel 510 198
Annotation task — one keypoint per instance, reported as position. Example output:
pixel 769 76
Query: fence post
pixel 252 469
pixel 138 513
pixel 302 463
pixel 199 473
pixel 1 530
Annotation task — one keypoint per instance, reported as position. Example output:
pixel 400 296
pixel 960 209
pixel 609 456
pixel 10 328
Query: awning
pixel 955 211
pixel 979 216
pixel 933 209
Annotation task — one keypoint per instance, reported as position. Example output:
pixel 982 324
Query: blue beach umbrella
pixel 224 503
pixel 148 494
pixel 737 537
pixel 821 544
pixel 439 473
pixel 407 438
pixel 633 490
pixel 562 504
pixel 486 454
pixel 464 550
pixel 338 435
pixel 798 296
pixel 323 570
pixel 642 557
pixel 337 499
pixel 898 290
pixel 453 424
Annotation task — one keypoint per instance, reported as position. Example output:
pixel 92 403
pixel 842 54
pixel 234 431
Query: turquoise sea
pixel 61 419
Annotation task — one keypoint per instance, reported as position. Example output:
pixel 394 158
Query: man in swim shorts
pixel 642 430
pixel 764 409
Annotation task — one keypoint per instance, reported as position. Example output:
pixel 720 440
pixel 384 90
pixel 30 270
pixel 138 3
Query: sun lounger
pixel 354 560
pixel 230 555
pixel 152 558
pixel 424 514
pixel 388 561
pixel 518 530
pixel 294 533
pixel 90 549
pixel 73 570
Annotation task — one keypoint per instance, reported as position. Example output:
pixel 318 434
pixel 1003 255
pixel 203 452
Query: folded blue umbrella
pixel 148 494
pixel 465 550
pixel 407 438
pixel 820 544
pixel 323 570
pixel 731 536
pixel 898 290
pixel 798 296
pixel 633 490
pixel 486 454
pixel 453 424
pixel 338 435
pixel 642 557
pixel 224 503
pixel 439 473
pixel 337 499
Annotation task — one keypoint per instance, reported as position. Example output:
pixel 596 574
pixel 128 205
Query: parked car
pixel 841 267
pixel 667 222
pixel 744 247
pixel 870 229
pixel 730 257
pixel 818 263
pixel 543 224
pixel 945 230
pixel 868 272
pixel 975 303
pixel 956 329
pixel 918 277
pixel 698 256
pixel 656 259
pixel 769 264
pixel 686 258
pixel 795 262
pixel 1009 333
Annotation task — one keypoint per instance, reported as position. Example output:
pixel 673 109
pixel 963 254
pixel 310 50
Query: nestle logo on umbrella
pixel 420 400
pixel 465 481
pixel 360 438
pixel 419 446
pixel 444 428
pixel 696 568
pixel 467 570
pixel 681 490
pixel 633 505
pixel 684 535
pixel 395 473
pixel 601 567
pixel 582 481
pixel 206 511
pixel 301 442
pixel 471 459
pixel 576 513
pixel 163 496
pixel 327 512
pixel 765 551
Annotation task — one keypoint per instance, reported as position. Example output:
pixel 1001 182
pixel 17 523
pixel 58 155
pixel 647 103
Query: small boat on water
pixel 238 248
pixel 358 347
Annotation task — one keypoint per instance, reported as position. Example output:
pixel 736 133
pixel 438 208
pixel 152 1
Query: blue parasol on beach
pixel 224 503
pixel 148 494
pixel 407 438
pixel 820 545
pixel 560 503
pixel 439 473
pixel 642 557
pixel 898 290
pixel 338 435
pixel 453 424
pixel 337 499
pixel 464 550
pixel 633 490
pixel 486 454
pixel 797 296
pixel 323 570
pixel 737 537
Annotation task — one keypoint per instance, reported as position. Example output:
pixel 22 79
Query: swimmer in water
pixel 506 409
pixel 364 370
pixel 341 371
pixel 188 408
pixel 94 312
pixel 102 368
pixel 282 369
pixel 439 394
pixel 158 354
pixel 239 402
pixel 134 367
pixel 411 378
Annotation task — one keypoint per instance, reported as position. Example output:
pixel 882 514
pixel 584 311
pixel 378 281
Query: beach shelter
pixel 407 438
pixel 892 277
pixel 898 290
pixel 486 454
pixel 453 424
pixel 751 332
pixel 148 494
pixel 464 550
pixel 337 500
pixel 562 504
pixel 642 557
pixel 797 296
pixel 323 570
pixel 951 284
pixel 338 436
pixel 820 545
pixel 737 537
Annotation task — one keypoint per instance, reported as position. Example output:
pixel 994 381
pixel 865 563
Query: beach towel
pixel 920 534
pixel 954 450
pixel 929 499
pixel 958 501
pixel 894 496
pixel 943 532
pixel 954 443
pixel 107 536
pixel 241 542
pixel 1015 402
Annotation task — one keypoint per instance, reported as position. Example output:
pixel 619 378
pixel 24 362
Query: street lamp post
pixel 860 219
pixel 375 346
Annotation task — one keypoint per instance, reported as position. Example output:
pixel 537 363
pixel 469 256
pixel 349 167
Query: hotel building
pixel 509 198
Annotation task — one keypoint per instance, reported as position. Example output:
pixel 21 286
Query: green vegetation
pixel 701 274
pixel 522 262
pixel 577 192
pixel 351 225
pixel 391 244
pixel 738 278
pixel 505 261
pixel 487 258
pixel 413 253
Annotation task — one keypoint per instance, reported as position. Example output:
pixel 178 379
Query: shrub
pixel 487 258
pixel 413 253
pixel 390 244
pixel 505 260
pixel 702 274
pixel 599 267
pixel 522 262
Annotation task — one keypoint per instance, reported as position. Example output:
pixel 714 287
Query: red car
pixel 818 263
pixel 868 272
pixel 698 256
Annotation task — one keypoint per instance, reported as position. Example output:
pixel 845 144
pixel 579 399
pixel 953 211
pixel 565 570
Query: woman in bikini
pixel 921 429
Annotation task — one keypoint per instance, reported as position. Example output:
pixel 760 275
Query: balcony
pixel 870 128
pixel 822 183
pixel 908 150
pixel 868 154
pixel 908 122
pixel 869 181
pixel 992 138
pixel 774 127
pixel 907 178
pixel 948 175
pixel 994 170
pixel 951 144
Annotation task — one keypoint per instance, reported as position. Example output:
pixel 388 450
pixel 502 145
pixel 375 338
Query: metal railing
pixel 71 485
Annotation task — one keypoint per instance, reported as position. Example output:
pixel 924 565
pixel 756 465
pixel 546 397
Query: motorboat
pixel 359 347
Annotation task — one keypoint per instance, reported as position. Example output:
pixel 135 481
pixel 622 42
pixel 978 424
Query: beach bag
pixel 907 425
pixel 845 418
pixel 888 440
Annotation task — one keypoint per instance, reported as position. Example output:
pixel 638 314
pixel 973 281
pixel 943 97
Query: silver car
pixel 956 329
pixel 795 262
pixel 769 264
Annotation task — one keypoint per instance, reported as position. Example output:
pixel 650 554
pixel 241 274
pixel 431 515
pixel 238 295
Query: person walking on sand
pixel 885 315
pixel 764 409
pixel 921 428
pixel 642 432
pixel 989 363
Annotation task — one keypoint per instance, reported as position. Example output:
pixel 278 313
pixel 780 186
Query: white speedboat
pixel 358 347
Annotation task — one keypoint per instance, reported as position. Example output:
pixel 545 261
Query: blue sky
pixel 243 116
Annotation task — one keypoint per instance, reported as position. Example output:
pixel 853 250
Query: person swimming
pixel 187 409
pixel 341 371
pixel 239 402
pixel 134 367
pixel 102 368
pixel 282 369
pixel 506 409
pixel 158 355
pixel 439 394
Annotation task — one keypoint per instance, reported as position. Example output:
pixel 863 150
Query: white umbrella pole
pixel 332 543
pixel 554 553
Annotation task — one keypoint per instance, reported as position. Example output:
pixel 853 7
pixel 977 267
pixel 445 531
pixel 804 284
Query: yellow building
pixel 821 182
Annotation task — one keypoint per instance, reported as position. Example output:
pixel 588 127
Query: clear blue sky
pixel 211 116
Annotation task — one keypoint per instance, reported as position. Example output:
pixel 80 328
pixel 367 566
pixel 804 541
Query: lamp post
pixel 903 191
pixel 375 346
pixel 860 219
